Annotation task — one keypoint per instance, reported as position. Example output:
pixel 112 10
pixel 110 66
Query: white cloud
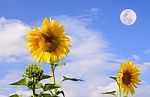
pixel 94 11
pixel 23 93
pixel 111 87
pixel 143 91
pixel 5 88
pixel 11 59
pixel 145 67
pixel 147 51
pixel 9 78
pixel 90 57
pixel 12 37
pixel 3 96
pixel 134 57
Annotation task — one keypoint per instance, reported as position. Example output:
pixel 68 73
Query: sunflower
pixel 48 44
pixel 128 77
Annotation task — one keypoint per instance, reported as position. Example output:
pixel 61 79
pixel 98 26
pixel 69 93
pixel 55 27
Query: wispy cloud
pixel 3 96
pixel 134 57
pixel 90 57
pixel 24 93
pixel 12 37
pixel 147 51
pixel 5 88
pixel 145 67
pixel 143 91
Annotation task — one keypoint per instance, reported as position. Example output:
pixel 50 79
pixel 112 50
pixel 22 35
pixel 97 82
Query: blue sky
pixel 98 20
pixel 108 17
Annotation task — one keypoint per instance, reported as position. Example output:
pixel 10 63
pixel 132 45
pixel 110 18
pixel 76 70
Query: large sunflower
pixel 50 43
pixel 128 77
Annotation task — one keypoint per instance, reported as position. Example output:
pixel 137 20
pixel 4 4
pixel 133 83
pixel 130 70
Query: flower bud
pixel 33 71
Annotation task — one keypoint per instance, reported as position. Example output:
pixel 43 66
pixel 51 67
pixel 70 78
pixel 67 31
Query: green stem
pixel 119 91
pixel 33 90
pixel 53 77
pixel 126 96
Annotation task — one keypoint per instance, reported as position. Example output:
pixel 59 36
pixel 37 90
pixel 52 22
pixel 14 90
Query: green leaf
pixel 45 95
pixel 60 64
pixel 110 93
pixel 22 82
pixel 38 85
pixel 45 76
pixel 61 92
pixel 114 78
pixel 15 95
pixel 51 86
pixel 71 79
pixel 125 96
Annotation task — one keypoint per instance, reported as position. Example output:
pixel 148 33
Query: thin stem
pixel 53 77
pixel 126 96
pixel 33 90
pixel 51 92
pixel 119 91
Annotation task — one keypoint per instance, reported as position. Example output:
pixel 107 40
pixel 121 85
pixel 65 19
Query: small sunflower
pixel 128 77
pixel 48 44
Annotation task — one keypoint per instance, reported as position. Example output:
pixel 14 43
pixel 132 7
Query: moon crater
pixel 128 17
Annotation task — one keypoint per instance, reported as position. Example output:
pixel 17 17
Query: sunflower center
pixel 48 43
pixel 126 78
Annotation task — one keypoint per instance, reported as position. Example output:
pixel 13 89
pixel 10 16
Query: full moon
pixel 128 17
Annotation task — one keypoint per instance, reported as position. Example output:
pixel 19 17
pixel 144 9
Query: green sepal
pixel 45 95
pixel 50 86
pixel 61 92
pixel 22 82
pixel 110 93
pixel 42 94
pixel 71 79
pixel 60 64
pixel 15 95
pixel 114 78
pixel 44 76
pixel 38 85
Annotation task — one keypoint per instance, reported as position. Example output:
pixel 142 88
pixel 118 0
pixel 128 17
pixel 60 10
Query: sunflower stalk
pixel 119 91
pixel 33 89
pixel 53 77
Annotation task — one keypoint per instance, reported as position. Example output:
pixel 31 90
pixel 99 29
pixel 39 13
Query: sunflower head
pixel 50 43
pixel 128 77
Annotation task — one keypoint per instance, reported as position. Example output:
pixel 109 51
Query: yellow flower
pixel 128 77
pixel 48 44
